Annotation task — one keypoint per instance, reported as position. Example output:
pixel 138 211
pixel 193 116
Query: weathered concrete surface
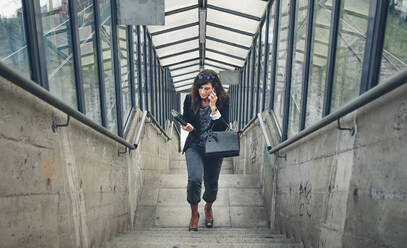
pixel 334 189
pixel 69 188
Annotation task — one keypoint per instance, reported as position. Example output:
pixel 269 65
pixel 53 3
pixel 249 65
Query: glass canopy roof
pixel 226 28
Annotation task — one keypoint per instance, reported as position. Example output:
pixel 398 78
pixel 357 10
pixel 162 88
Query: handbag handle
pixel 224 122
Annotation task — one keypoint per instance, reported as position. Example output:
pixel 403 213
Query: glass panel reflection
pixel 350 51
pixel 136 69
pixel 270 56
pixel 57 40
pixel 318 62
pixel 13 44
pixel 300 32
pixel 394 58
pixel 124 70
pixel 88 59
pixel 281 61
pixel 108 66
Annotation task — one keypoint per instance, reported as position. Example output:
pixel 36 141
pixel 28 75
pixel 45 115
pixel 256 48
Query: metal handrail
pixel 140 130
pixel 370 95
pixel 248 124
pixel 30 86
pixel 158 125
pixel 263 128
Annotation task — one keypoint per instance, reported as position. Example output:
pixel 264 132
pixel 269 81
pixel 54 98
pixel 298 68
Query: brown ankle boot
pixel 208 215
pixel 193 224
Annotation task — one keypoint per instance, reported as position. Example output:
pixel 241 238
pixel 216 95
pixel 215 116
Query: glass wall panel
pixel 57 40
pixel 148 68
pixel 300 34
pixel 13 44
pixel 270 55
pixel 143 75
pixel 350 51
pixel 318 60
pixel 124 70
pixel 262 46
pixel 255 77
pixel 88 59
pixel 281 61
pixel 136 72
pixel 394 58
pixel 108 66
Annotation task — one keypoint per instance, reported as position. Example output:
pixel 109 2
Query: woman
pixel 206 107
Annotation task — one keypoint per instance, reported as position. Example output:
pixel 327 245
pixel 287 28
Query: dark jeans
pixel 197 163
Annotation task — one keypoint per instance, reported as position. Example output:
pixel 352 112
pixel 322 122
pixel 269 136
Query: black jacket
pixel 191 117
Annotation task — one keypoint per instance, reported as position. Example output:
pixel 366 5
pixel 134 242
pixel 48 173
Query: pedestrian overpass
pixel 89 156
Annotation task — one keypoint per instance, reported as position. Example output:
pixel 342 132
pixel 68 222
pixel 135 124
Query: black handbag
pixel 221 144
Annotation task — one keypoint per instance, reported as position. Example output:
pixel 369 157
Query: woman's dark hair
pixel 204 77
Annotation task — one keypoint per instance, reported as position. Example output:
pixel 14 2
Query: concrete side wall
pixel 338 190
pixel 70 188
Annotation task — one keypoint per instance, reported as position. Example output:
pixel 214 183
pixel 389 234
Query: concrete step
pixel 184 171
pixel 209 231
pixel 136 244
pixel 180 181
pixel 182 164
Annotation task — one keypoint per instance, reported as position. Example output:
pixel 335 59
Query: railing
pixel 367 97
pixel 36 90
pixel 41 93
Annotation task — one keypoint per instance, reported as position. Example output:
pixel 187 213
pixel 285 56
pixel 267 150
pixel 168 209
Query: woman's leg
pixel 195 166
pixel 212 167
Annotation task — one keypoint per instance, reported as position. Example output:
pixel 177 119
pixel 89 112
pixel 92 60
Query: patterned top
pixel 203 125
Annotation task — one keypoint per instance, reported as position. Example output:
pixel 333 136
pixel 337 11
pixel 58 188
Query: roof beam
pixel 227 43
pixel 230 29
pixel 188 25
pixel 225 54
pixel 176 42
pixel 179 53
pixel 202 17
pixel 221 62
pixel 237 13
pixel 176 11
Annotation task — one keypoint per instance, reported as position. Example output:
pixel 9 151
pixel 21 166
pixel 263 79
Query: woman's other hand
pixel 189 128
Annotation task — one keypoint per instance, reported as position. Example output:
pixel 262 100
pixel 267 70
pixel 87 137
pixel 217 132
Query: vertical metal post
pixel 374 44
pixel 145 67
pixel 150 47
pixel 99 57
pixel 307 63
pixel 140 82
pixel 117 68
pixel 258 71
pixel 252 96
pixel 266 55
pixel 247 91
pixel 155 87
pixel 76 55
pixel 130 56
pixel 274 53
pixel 241 99
pixel 35 49
pixel 333 41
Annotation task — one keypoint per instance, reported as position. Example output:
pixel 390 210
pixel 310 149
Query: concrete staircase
pixel 163 215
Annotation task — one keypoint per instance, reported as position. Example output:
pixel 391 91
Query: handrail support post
pixel 55 125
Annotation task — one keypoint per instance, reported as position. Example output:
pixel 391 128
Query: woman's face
pixel 205 90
